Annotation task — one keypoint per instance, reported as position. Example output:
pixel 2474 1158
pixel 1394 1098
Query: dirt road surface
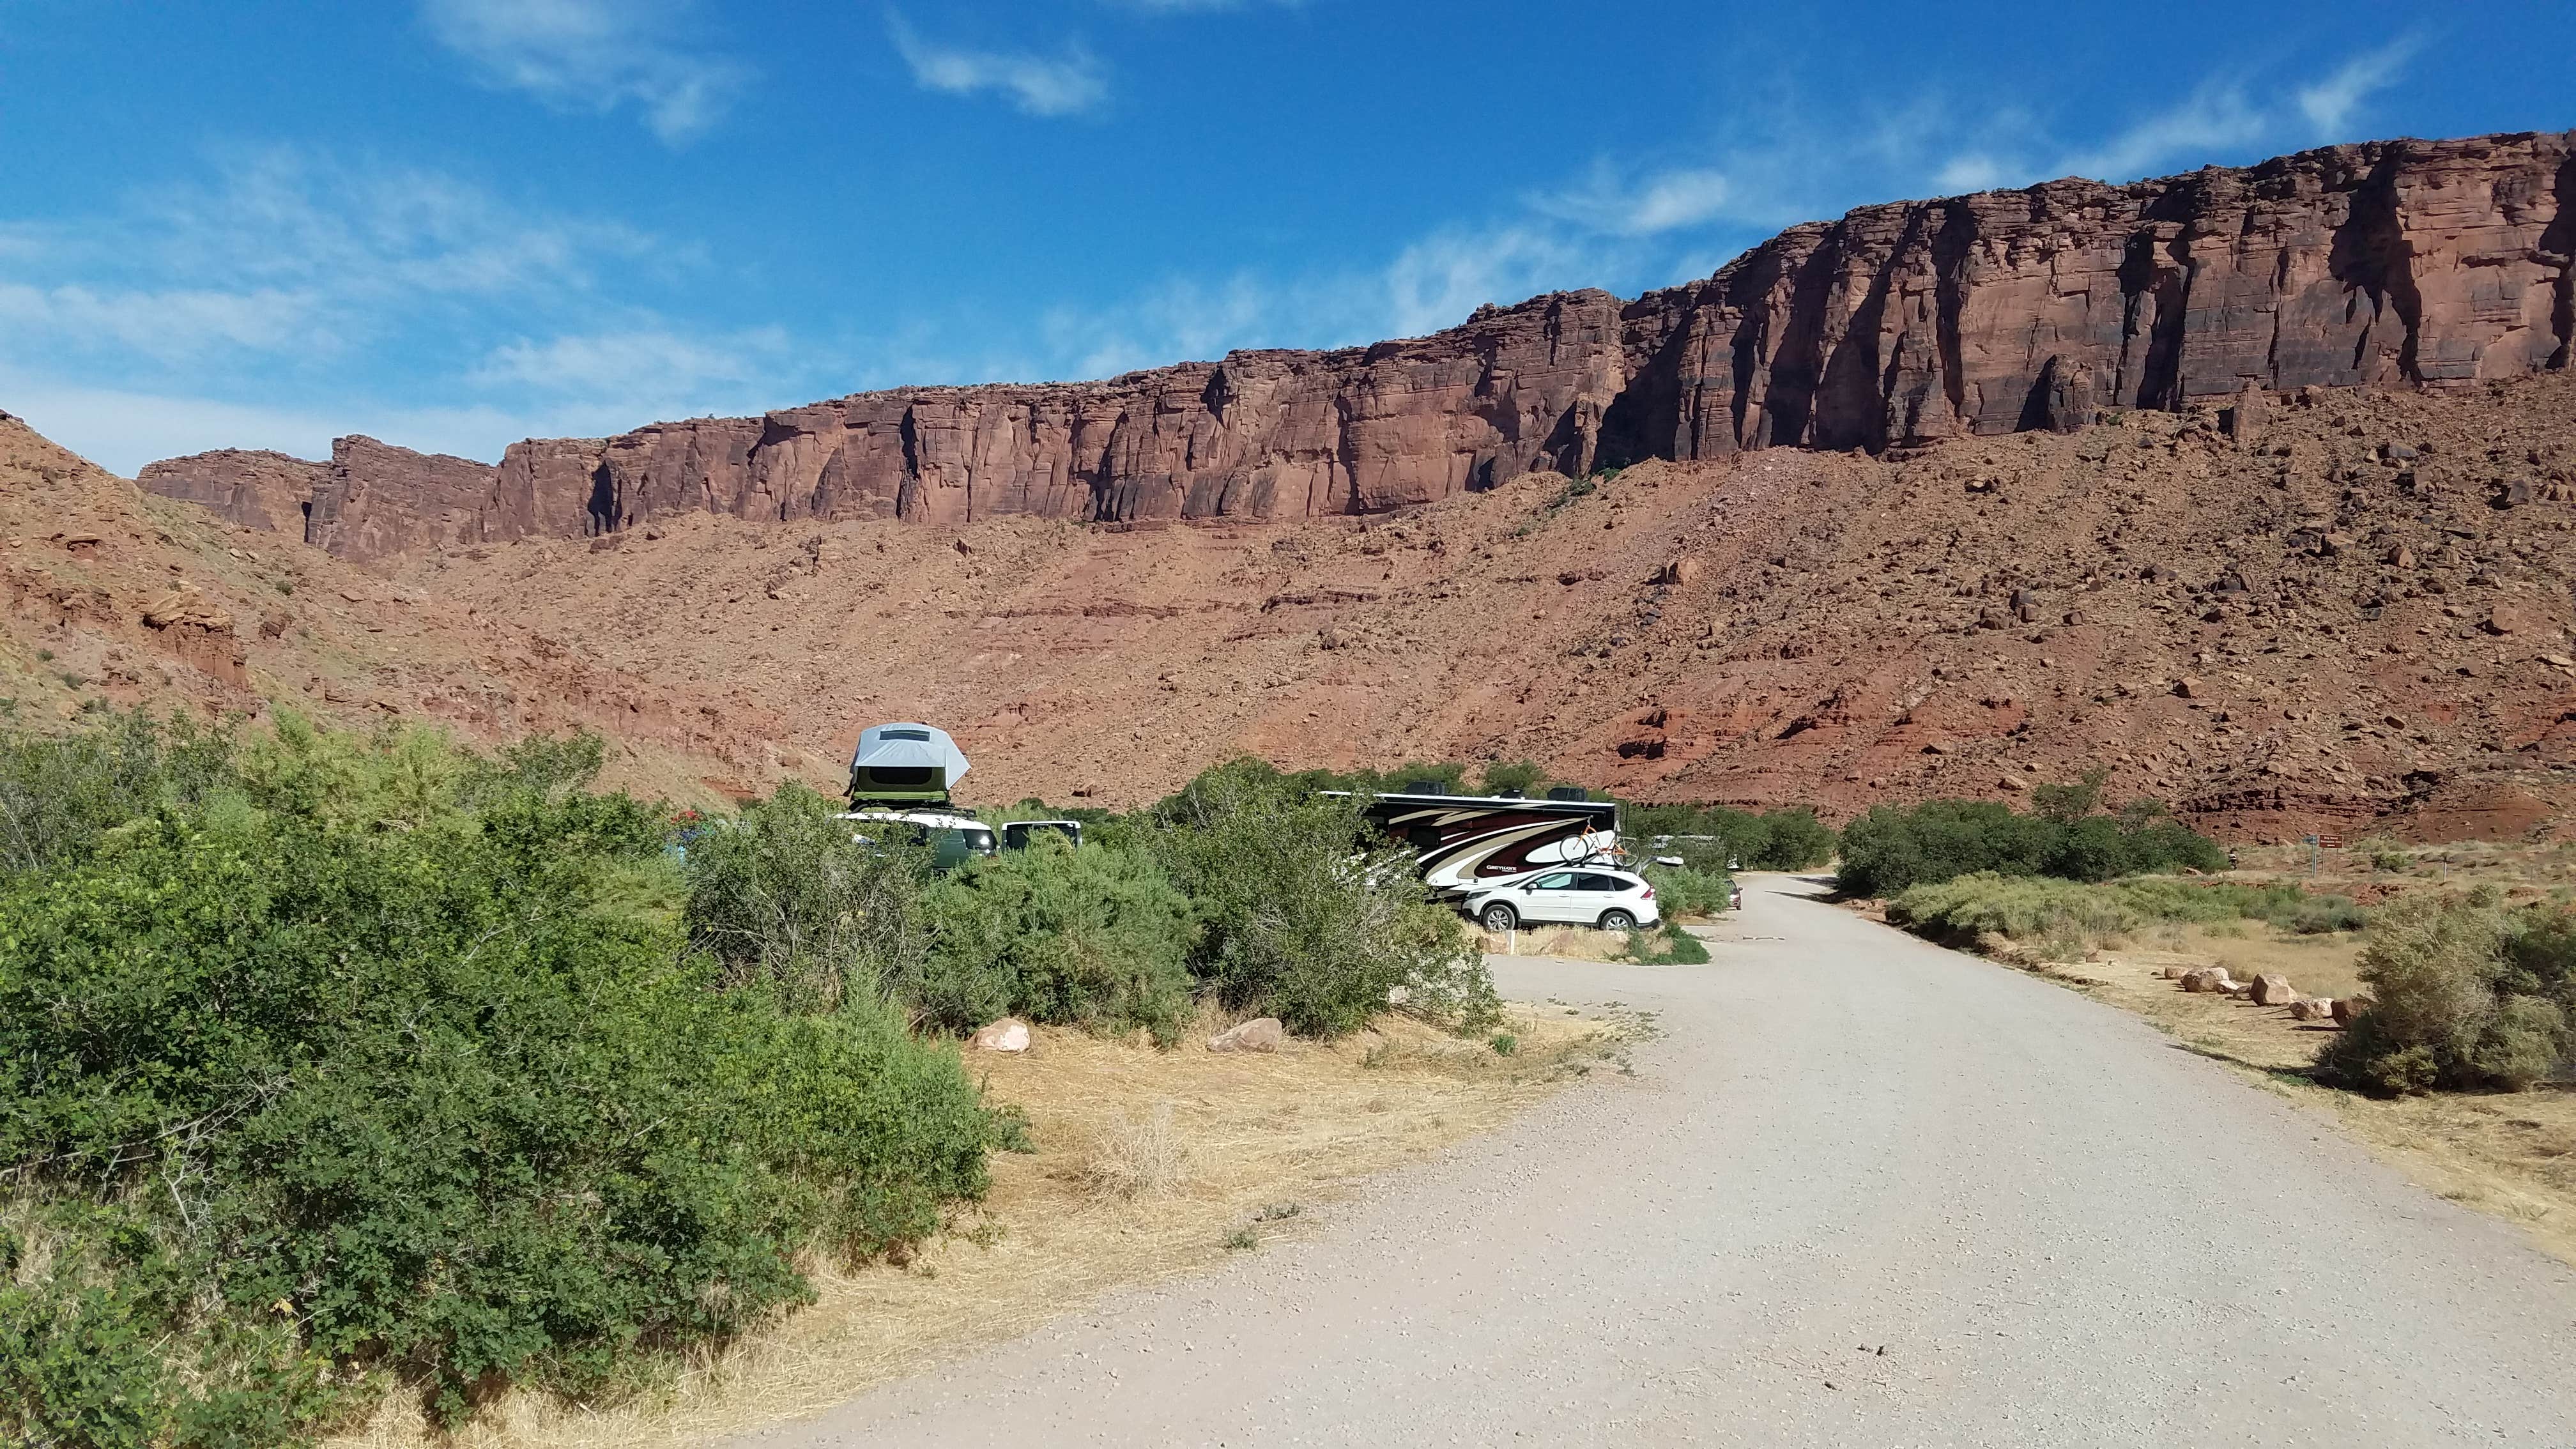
pixel 1860 1191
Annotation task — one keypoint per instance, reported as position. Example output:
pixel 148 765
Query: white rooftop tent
pixel 905 762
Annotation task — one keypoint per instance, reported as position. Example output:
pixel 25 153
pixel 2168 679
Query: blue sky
pixel 455 223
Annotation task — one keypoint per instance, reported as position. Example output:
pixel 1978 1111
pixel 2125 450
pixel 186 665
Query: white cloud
pixel 168 325
pixel 1974 171
pixel 2216 117
pixel 1662 202
pixel 1062 85
pixel 647 365
pixel 286 255
pixel 2331 102
pixel 1439 280
pixel 593 55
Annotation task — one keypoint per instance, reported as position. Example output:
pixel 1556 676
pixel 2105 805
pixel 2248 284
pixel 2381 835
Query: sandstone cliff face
pixel 263 492
pixel 2392 263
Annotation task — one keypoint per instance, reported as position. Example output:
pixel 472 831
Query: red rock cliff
pixel 2390 263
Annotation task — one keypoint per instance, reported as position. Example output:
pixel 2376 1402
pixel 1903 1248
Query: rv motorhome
pixel 1469 842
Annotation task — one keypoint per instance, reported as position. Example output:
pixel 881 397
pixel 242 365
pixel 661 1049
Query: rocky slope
pixel 2435 264
pixel 2343 609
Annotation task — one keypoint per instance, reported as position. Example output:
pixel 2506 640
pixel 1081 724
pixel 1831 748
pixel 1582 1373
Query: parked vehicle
pixel 1613 900
pixel 900 777
pixel 1018 834
pixel 1470 843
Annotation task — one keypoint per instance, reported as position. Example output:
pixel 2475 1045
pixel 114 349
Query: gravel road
pixel 1860 1191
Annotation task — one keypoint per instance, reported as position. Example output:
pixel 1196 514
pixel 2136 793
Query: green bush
pixel 1780 840
pixel 2464 996
pixel 1304 914
pixel 783 896
pixel 1096 936
pixel 311 1078
pixel 1665 945
pixel 1891 847
pixel 1681 890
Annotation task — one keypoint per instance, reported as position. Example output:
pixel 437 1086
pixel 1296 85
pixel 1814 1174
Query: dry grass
pixel 1142 1157
pixel 2509 1154
pixel 1214 1145
pixel 1580 943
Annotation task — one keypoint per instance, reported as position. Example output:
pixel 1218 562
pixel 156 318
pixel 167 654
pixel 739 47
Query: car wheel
pixel 1618 921
pixel 1500 917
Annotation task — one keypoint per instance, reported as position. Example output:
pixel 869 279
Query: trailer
pixel 1470 842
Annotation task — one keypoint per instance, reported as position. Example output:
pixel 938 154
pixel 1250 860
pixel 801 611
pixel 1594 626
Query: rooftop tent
pixel 904 763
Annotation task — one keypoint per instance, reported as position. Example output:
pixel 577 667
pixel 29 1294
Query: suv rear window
pixel 1603 883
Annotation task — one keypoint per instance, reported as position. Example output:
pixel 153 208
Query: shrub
pixel 1666 945
pixel 2463 996
pixel 1892 847
pixel 782 896
pixel 1685 891
pixel 1096 937
pixel 1303 915
pixel 1780 840
pixel 302 1086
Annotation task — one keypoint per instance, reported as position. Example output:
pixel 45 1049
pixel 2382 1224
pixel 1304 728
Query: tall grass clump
pixel 342 1064
pixel 1304 913
pixel 2465 995
pixel 2066 918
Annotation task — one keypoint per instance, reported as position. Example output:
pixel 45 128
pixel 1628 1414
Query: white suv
pixel 1588 895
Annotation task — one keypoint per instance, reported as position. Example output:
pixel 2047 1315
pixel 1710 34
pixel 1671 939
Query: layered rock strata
pixel 2392 263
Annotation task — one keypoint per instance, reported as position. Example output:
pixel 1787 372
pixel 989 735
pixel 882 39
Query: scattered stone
pixel 2348 1007
pixel 1682 571
pixel 1261 1034
pixel 1010 1034
pixel 2312 1008
pixel 2273 990
pixel 2190 687
pixel 2509 619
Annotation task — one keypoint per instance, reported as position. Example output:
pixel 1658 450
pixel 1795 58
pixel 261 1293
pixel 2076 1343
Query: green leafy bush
pixel 1665 945
pixel 1681 890
pixel 782 895
pixel 1779 840
pixel 1095 936
pixel 1304 915
pixel 311 1077
pixel 1892 847
pixel 2464 996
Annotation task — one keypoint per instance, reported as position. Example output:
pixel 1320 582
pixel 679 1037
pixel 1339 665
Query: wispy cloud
pixel 594 55
pixel 2219 119
pixel 1664 201
pixel 1041 85
pixel 247 305
pixel 2216 117
pixel 2332 102
pixel 285 251
pixel 647 364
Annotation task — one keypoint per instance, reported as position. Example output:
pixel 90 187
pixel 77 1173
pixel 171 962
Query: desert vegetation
pixel 2466 995
pixel 2065 835
pixel 341 1065
pixel 2065 918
